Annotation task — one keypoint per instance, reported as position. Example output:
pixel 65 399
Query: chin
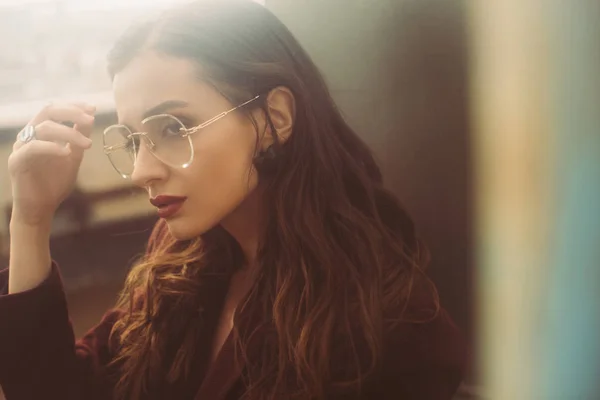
pixel 181 228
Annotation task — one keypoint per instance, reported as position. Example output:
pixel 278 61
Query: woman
pixel 280 268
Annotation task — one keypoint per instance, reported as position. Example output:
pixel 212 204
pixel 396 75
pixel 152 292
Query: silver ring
pixel 27 134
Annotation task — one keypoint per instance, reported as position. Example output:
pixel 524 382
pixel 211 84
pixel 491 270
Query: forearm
pixel 30 260
pixel 39 358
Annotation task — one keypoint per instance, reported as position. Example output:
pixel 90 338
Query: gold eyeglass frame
pixel 185 133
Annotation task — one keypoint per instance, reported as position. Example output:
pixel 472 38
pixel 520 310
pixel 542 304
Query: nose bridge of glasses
pixel 143 136
pixel 113 148
pixel 144 155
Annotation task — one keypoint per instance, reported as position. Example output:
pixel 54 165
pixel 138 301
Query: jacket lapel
pixel 222 374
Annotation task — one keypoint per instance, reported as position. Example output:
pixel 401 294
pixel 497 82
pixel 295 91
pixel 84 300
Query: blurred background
pixel 485 116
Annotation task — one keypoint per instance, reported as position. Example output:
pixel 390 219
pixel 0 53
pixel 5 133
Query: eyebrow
pixel 163 107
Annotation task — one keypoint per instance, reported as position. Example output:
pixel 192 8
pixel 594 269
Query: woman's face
pixel 221 175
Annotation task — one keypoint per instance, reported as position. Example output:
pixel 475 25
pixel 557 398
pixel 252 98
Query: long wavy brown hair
pixel 339 258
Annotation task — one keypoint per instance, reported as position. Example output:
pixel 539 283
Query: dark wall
pixel 102 255
pixel 428 147
pixel 398 71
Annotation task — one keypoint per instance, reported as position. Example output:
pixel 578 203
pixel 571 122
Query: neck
pixel 244 224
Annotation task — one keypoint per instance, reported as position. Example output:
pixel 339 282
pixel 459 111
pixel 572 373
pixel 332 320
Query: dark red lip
pixel 167 205
pixel 163 200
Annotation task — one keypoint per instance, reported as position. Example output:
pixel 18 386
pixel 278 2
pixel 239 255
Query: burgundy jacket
pixel 40 358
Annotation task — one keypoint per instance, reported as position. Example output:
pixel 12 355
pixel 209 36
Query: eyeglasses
pixel 165 136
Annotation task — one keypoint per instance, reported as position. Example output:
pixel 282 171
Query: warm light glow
pixel 95 4
pixel 71 67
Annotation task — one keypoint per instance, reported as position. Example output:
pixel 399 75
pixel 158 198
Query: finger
pixel 39 149
pixel 54 132
pixel 76 152
pixel 87 108
pixel 63 113
pixel 35 152
pixel 90 110
pixel 85 129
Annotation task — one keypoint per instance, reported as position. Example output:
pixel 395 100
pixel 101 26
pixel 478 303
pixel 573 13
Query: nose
pixel 147 168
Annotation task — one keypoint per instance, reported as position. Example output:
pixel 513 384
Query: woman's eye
pixel 173 129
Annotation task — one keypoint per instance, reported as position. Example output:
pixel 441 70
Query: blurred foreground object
pixel 536 98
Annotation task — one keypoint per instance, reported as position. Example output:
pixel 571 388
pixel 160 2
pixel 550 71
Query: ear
pixel 281 108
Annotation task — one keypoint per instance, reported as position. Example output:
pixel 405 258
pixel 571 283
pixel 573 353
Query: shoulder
pixel 437 343
pixel 424 360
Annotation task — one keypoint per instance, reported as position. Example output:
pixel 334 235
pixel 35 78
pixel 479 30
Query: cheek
pixel 222 174
pixel 226 153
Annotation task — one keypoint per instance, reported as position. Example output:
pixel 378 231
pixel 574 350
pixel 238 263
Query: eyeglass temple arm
pixel 217 117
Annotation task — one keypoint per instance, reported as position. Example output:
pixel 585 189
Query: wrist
pixel 40 228
pixel 35 223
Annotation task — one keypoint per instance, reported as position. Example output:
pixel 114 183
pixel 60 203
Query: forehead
pixel 150 79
